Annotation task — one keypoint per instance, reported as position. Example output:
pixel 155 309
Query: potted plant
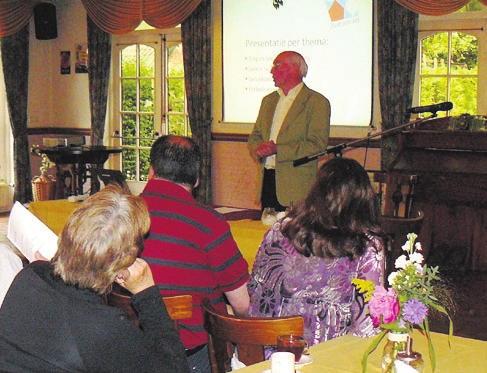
pixel 43 186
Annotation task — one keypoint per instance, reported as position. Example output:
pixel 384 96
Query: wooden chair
pixel 178 306
pixel 396 193
pixel 399 216
pixel 397 229
pixel 249 334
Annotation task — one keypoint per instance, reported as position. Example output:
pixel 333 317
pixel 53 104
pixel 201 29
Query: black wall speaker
pixel 45 21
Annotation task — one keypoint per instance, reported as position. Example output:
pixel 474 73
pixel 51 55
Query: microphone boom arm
pixel 337 150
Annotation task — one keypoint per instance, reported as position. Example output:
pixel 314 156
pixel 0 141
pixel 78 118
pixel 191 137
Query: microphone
pixel 444 106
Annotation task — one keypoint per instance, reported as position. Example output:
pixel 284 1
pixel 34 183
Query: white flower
pixel 391 278
pixel 417 246
pixel 406 246
pixel 419 269
pixel 416 258
pixel 401 262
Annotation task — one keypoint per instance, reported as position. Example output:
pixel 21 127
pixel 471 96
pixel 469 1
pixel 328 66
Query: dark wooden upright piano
pixel 451 190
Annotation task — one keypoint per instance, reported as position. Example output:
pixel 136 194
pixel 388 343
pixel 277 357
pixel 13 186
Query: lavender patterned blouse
pixel 284 282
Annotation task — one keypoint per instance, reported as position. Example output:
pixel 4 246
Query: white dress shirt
pixel 282 108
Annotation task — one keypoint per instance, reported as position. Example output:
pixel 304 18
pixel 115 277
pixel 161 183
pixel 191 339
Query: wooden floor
pixel 470 319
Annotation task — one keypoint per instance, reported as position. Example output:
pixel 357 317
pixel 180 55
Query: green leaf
pixel 371 348
pixel 426 329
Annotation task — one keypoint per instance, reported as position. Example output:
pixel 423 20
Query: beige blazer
pixel 304 132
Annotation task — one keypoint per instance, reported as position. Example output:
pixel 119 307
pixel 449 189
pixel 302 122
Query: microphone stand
pixel 337 150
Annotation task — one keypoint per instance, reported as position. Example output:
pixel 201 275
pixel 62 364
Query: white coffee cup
pixel 282 362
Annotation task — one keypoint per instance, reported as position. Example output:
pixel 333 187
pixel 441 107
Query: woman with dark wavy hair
pixel 306 261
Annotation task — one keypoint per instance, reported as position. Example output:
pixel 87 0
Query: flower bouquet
pixel 415 290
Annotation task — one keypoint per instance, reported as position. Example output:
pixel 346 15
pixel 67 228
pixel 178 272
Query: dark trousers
pixel 269 195
pixel 200 361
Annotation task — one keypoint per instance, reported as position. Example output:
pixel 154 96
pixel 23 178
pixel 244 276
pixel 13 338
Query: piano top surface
pixel 433 148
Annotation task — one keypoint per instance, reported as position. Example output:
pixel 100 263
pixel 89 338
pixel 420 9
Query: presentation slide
pixel 335 38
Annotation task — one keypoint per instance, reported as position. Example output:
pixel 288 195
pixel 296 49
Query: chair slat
pixel 178 306
pixel 250 334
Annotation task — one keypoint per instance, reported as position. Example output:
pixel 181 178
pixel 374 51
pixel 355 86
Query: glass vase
pixel 396 342
pixel 409 361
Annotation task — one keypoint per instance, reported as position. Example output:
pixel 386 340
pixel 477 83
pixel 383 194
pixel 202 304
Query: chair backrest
pixel 178 306
pixel 249 334
pixel 397 229
pixel 396 193
pixel 400 216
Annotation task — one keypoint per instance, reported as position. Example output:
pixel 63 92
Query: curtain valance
pixel 435 7
pixel 123 16
pixel 14 15
pixel 112 16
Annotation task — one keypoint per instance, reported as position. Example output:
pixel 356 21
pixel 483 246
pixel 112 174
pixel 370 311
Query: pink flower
pixel 383 303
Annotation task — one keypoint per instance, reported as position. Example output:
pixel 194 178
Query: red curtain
pixel 435 7
pixel 123 16
pixel 112 16
pixel 14 15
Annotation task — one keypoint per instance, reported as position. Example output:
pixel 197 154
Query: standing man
pixel 190 249
pixel 293 122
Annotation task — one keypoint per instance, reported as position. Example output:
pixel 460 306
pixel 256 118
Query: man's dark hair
pixel 177 159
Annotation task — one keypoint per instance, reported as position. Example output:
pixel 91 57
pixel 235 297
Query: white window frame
pixel 160 40
pixel 469 22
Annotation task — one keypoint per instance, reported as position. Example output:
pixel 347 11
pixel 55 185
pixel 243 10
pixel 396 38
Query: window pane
pixel 147 95
pixel 433 90
pixel 129 99
pixel 434 54
pixel 464 59
pixel 144 164
pixel 146 130
pixel 129 129
pixel 175 67
pixel 128 58
pixel 176 124
pixel 147 61
pixel 176 107
pixel 129 163
pixel 464 95
pixel 176 95
pixel 472 6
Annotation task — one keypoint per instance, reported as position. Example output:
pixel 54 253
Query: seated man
pixel 190 248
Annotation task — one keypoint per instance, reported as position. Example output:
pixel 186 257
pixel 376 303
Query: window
pixel 449 70
pixel 452 61
pixel 148 96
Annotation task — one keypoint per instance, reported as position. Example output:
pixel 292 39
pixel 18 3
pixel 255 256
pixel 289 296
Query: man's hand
pixel 266 149
pixel 137 277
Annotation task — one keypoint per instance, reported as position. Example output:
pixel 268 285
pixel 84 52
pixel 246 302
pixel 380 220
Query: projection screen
pixel 335 38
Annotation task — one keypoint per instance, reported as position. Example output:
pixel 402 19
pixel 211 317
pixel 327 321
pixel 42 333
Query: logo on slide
pixel 342 9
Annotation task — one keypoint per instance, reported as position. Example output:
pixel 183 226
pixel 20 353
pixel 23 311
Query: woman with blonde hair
pixel 54 319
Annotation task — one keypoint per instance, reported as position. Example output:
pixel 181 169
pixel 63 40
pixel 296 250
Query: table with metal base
pixel 77 158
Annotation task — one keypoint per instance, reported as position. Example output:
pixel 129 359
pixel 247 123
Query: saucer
pixel 269 371
pixel 305 360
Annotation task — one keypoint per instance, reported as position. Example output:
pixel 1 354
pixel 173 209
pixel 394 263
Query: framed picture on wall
pixel 81 59
pixel 65 62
